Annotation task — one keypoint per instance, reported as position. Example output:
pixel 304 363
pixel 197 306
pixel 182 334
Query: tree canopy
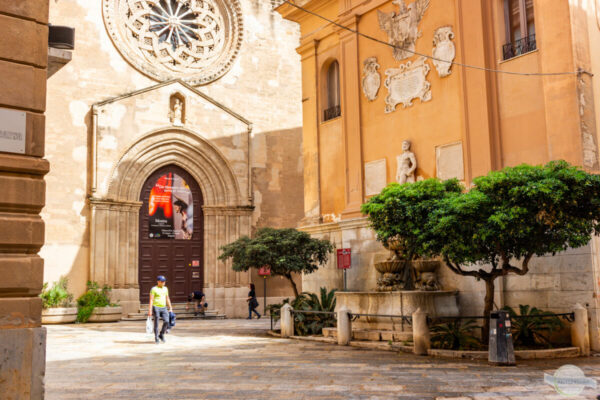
pixel 400 214
pixel 285 251
pixel 496 227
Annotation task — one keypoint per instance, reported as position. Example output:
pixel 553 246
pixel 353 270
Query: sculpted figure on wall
pixel 176 113
pixel 403 28
pixel 443 50
pixel 371 79
pixel 407 164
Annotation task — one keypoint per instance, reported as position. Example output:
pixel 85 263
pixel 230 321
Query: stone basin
pixel 441 303
pixel 390 266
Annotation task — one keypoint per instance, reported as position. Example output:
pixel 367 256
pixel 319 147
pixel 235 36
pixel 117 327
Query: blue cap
pixel 161 278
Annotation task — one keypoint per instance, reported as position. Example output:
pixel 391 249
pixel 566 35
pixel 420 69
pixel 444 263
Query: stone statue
pixel 177 113
pixel 443 50
pixel 371 79
pixel 407 164
pixel 403 28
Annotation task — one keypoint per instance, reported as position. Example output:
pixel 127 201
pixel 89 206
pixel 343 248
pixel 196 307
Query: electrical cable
pixel 578 72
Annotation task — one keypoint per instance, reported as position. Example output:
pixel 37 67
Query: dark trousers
pixel 252 308
pixel 160 313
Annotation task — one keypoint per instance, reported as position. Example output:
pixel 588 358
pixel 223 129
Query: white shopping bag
pixel 149 325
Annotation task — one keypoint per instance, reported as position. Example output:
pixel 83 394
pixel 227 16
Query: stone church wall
pixel 263 86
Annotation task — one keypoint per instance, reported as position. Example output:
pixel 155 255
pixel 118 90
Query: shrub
pixel 309 324
pixel 58 295
pixel 532 326
pixel 455 335
pixel 95 296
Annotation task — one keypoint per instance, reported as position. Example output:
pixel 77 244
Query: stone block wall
pixel 23 55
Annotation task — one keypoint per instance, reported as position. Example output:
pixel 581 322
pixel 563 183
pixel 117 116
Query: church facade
pixel 375 114
pixel 173 130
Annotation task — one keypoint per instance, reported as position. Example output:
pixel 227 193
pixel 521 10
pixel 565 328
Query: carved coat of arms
pixel 371 80
pixel 403 28
pixel 443 50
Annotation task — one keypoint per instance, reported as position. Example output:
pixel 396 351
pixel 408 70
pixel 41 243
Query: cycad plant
pixel 307 324
pixel 532 326
pixel 58 295
pixel 455 335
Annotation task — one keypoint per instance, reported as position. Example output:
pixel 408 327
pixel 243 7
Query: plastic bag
pixel 149 325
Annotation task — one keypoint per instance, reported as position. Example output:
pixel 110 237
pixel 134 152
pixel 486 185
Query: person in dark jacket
pixel 252 302
pixel 199 300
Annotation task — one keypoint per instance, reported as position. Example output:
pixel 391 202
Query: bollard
pixel 580 334
pixel 344 327
pixel 421 337
pixel 501 350
pixel 287 321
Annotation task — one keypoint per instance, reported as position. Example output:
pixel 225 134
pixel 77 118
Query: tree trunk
pixel 291 279
pixel 487 309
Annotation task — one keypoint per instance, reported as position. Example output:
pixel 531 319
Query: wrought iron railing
pixel 332 112
pixel 521 46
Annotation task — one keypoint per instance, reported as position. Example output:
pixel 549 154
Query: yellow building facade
pixel 362 98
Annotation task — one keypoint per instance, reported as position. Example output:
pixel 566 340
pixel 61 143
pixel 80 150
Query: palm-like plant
pixel 455 335
pixel 532 326
pixel 307 324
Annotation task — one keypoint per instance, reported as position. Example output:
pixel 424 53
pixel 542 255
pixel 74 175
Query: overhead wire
pixel 578 72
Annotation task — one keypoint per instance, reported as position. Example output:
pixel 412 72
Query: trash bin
pixel 501 350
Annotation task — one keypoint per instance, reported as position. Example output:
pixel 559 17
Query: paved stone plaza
pixel 235 359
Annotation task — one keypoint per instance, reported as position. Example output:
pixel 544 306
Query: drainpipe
pixel 250 184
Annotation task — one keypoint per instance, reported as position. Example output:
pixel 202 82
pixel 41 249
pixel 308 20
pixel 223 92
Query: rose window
pixel 196 40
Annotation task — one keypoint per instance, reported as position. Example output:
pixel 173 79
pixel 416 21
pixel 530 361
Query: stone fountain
pixel 402 288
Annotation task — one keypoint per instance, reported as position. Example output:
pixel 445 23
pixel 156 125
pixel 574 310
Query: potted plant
pixel 57 303
pixel 95 306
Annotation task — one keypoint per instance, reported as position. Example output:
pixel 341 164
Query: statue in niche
pixel 403 28
pixel 371 79
pixel 176 113
pixel 407 164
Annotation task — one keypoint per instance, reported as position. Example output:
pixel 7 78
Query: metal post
pixel 345 281
pixel 265 300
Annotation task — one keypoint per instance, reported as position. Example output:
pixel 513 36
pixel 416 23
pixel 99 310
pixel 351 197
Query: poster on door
pixel 170 209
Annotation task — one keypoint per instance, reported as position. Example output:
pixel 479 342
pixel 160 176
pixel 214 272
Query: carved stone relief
pixel 403 28
pixel 371 79
pixel 449 161
pixel 406 164
pixel 443 50
pixel 375 177
pixel 194 40
pixel 407 83
pixel 177 110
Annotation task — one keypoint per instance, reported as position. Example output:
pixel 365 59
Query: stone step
pixel 373 335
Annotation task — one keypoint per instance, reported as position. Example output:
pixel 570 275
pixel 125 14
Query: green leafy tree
pixel 511 215
pixel 285 251
pixel 399 215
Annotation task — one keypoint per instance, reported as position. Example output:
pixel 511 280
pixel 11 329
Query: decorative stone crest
pixel 195 40
pixel 443 50
pixel 407 83
pixel 403 28
pixel 371 79
pixel 406 164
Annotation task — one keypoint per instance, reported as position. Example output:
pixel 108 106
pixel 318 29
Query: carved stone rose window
pixel 196 40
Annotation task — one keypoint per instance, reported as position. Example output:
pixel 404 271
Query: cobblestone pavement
pixel 235 359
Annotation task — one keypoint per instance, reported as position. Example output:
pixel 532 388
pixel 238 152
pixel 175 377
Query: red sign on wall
pixel 264 271
pixel 344 258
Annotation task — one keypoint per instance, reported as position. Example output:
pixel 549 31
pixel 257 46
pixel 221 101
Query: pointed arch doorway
pixel 171 233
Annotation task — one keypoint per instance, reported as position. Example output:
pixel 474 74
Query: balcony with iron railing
pixel 519 47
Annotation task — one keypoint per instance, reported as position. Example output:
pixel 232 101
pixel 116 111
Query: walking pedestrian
pixel 252 302
pixel 159 300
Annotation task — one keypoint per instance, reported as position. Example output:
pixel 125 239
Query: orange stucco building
pixel 362 99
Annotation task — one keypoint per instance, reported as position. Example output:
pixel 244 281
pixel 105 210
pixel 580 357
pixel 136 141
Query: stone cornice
pixel 353 223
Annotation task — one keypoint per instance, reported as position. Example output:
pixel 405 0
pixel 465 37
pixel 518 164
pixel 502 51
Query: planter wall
pixel 59 315
pixel 106 314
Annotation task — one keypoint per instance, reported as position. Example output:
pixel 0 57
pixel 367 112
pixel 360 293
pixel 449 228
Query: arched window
pixel 333 109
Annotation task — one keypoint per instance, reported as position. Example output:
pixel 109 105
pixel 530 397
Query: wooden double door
pixel 171 234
